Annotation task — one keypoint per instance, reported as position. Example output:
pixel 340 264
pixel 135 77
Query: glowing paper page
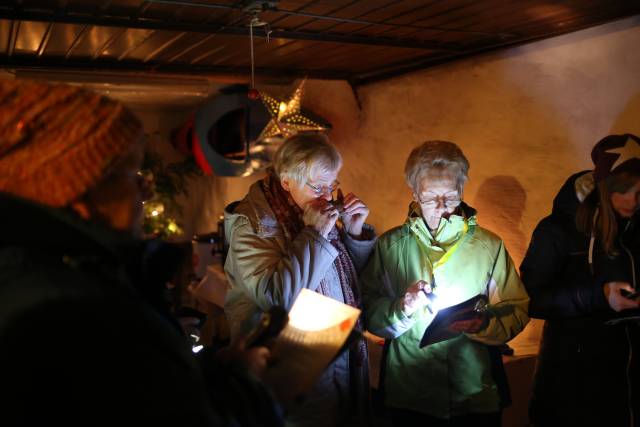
pixel 318 328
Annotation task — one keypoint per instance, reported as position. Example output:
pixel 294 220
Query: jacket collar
pixel 575 189
pixel 255 208
pixel 573 192
pixel 450 229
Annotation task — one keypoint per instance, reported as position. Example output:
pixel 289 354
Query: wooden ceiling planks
pixel 359 40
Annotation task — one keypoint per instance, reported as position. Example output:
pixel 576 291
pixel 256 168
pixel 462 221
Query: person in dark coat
pixel 582 262
pixel 84 339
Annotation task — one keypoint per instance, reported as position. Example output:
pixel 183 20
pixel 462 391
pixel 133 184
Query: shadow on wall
pixel 500 201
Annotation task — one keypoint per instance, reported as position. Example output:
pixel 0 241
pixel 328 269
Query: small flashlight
pixel 431 300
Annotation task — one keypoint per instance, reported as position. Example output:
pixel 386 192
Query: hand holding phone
pixel 630 295
pixel 617 295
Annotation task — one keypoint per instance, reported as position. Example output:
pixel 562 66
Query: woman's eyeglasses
pixel 319 190
pixel 447 201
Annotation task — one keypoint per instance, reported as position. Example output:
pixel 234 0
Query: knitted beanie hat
pixel 58 141
pixel 616 153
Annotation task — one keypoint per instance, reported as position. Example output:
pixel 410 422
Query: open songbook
pixel 438 330
pixel 317 330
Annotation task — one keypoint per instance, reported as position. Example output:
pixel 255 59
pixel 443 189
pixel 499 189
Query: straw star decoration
pixel 287 118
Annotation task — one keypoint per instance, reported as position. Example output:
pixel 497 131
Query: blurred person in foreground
pixel 285 236
pixel 82 339
pixel 438 258
pixel 583 261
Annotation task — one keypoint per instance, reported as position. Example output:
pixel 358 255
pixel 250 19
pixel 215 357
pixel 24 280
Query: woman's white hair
pixel 436 159
pixel 303 156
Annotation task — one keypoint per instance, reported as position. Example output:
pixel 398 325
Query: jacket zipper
pixel 633 265
pixel 629 343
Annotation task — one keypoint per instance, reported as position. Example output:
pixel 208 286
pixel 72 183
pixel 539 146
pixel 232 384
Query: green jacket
pixel 451 377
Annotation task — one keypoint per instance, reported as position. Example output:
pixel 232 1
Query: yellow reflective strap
pixel 454 248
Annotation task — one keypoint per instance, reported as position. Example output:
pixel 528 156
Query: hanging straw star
pixel 287 118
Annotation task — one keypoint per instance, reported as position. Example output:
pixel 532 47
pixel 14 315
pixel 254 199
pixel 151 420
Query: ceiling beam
pixel 41 15
pixel 239 74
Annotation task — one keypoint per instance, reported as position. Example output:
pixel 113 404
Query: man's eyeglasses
pixel 319 190
pixel 447 201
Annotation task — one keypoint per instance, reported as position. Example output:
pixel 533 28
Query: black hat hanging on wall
pixel 239 130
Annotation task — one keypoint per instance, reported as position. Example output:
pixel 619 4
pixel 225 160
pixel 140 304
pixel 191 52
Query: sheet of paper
pixel 213 287
pixel 317 329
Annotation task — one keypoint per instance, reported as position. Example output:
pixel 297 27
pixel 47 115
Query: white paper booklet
pixel 318 328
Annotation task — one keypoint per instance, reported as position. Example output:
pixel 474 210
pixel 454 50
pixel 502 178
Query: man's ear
pixel 286 184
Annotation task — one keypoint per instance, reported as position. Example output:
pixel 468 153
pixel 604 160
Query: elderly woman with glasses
pixel 438 258
pixel 289 234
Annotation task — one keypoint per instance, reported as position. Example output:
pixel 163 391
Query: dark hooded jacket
pixel 85 337
pixel 588 369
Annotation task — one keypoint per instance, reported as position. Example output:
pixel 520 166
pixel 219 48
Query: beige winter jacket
pixel 266 269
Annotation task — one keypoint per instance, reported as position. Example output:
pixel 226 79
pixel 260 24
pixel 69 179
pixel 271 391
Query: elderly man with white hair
pixel 438 258
pixel 284 236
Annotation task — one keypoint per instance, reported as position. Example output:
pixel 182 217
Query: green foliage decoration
pixel 164 183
